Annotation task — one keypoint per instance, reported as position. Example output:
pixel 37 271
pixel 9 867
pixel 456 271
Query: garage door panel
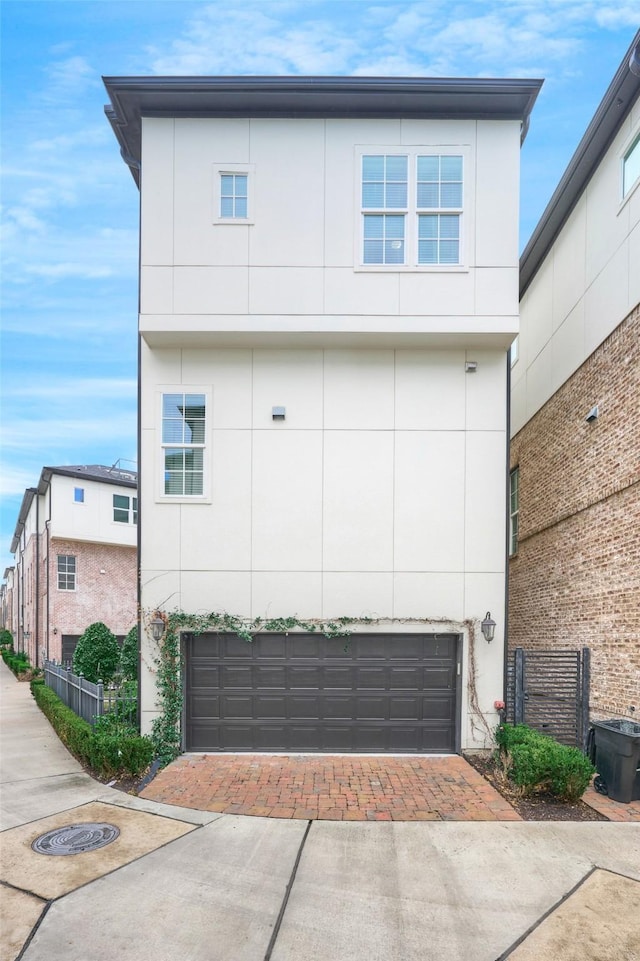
pixel 366 693
pixel 266 708
pixel 269 677
pixel 205 705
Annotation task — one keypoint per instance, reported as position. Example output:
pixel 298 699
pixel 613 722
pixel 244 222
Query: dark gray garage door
pixel 306 692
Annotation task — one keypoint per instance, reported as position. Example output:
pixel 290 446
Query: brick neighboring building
pixel 75 547
pixel 575 565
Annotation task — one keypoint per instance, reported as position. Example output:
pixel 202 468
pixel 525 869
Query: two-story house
pixel 575 410
pixel 75 547
pixel 328 293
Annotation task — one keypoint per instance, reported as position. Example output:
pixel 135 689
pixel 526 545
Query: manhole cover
pixel 76 838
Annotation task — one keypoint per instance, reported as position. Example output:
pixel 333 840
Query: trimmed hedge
pixel 537 763
pixel 111 753
pixel 16 662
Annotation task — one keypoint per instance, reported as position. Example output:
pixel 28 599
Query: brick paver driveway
pixel 331 788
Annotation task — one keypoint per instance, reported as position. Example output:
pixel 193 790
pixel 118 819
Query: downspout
pixel 505 668
pixel 139 456
pixel 37 586
pixel 48 579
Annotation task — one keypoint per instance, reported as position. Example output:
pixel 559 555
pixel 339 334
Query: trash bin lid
pixel 620 725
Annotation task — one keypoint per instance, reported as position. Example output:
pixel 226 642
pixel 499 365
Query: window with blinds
pixel 183 443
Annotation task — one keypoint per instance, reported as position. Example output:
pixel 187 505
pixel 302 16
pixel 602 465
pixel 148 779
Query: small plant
pixel 538 764
pixel 97 654
pixel 6 638
pixel 18 662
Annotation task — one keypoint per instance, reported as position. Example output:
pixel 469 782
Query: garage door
pixel 306 692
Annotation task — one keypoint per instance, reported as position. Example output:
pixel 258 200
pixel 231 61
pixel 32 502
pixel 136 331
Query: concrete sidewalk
pixel 183 884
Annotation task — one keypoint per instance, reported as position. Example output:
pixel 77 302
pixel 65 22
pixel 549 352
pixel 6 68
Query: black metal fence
pixel 549 691
pixel 86 699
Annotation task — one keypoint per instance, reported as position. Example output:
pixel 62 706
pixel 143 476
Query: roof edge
pixel 598 137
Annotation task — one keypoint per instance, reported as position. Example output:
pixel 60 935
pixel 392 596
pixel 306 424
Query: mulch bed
pixel 539 807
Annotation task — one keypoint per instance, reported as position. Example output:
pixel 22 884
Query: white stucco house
pixel 328 294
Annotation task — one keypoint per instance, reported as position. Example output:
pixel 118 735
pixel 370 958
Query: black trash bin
pixel 617 758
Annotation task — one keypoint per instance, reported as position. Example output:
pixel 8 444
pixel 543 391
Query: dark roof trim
pixel 344 97
pixel 607 120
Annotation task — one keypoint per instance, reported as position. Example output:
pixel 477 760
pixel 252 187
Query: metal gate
pixel 549 691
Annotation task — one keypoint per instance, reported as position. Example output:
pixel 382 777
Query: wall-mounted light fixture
pixel 488 628
pixel 278 413
pixel 470 366
pixel 593 414
pixel 157 627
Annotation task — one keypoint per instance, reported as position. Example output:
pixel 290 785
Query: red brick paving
pixel 614 810
pixel 331 788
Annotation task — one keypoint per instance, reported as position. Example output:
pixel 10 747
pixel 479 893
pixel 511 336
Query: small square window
pixel 78 495
pixel 233 193
pixel 631 167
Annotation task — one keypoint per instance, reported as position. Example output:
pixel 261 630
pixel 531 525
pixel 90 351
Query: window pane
pixel 394 226
pixel 428 227
pixel 119 500
pixel 173 483
pixel 451 195
pixel 631 168
pixel 396 195
pixel 373 167
pixel 428 168
pixel 172 431
pixel 427 195
pixel 193 460
pixel 193 484
pixel 226 206
pixel 427 250
pixel 396 168
pixel 226 185
pixel 394 252
pixel 372 195
pixel 449 252
pixel 373 250
pixel 451 168
pixel 373 226
pixel 449 227
pixel 78 495
pixel 241 185
pixel 241 207
pixel 122 517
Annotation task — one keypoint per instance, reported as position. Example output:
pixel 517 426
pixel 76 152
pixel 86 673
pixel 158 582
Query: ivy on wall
pixel 166 731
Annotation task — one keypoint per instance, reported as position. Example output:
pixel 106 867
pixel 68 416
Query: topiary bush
pixel 6 638
pixel 536 763
pixel 129 656
pixel 97 655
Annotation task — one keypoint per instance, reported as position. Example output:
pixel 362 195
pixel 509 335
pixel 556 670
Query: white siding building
pixel 328 292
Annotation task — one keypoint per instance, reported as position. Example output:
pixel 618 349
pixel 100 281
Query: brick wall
pixel 106 590
pixel 575 581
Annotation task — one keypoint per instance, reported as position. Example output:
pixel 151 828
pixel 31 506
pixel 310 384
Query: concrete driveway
pixel 180 884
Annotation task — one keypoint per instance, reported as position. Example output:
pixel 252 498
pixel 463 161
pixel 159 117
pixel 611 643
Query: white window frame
pixel 233 169
pixel 412 212
pixel 67 573
pixel 131 509
pixel 162 445
pixel 632 147
pixel 514 510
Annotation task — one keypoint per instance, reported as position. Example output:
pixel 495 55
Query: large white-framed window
pixel 183 443
pixel 514 509
pixel 411 208
pixel 66 572
pixel 233 193
pixel 631 167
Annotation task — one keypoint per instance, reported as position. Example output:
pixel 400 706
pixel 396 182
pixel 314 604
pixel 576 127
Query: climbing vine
pixel 166 728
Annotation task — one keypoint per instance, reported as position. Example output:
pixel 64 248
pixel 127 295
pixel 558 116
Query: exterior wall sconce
pixel 278 413
pixel 592 415
pixel 471 366
pixel 488 628
pixel 157 627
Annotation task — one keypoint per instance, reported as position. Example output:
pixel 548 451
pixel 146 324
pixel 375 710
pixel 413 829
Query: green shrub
pixel 129 656
pixel 97 654
pixel 537 763
pixel 18 662
pixel 111 749
pixel 6 638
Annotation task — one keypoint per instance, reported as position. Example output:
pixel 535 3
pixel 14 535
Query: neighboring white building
pixel 328 292
pixel 75 559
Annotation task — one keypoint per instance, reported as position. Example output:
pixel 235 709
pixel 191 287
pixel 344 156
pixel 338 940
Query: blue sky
pixel 70 206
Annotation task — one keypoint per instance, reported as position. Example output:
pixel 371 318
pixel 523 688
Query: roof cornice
pixel 607 120
pixel 309 97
